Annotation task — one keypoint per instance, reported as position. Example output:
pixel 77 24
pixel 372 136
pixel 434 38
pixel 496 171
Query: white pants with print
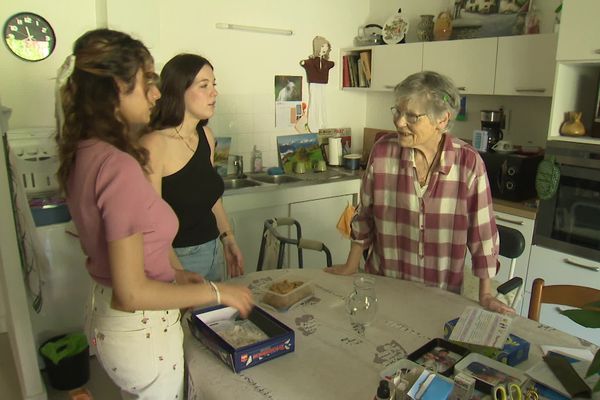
pixel 141 351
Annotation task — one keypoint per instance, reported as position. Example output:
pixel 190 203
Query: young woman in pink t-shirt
pixel 125 228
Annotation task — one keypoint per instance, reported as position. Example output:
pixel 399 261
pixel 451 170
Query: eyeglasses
pixel 411 118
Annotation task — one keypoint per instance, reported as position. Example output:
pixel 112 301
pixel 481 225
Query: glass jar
pixel 361 303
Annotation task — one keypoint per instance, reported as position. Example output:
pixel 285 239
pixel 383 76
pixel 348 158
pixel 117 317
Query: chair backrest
pixel 566 295
pixel 512 245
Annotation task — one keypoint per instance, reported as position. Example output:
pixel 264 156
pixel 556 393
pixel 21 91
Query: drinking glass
pixel 361 303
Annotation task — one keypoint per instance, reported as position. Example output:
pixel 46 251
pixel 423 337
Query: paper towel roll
pixel 334 151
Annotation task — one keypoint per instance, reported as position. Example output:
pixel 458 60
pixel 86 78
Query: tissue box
pixel 280 338
pixel 514 352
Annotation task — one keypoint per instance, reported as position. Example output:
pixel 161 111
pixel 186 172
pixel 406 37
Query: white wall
pixel 528 121
pixel 530 116
pixel 245 62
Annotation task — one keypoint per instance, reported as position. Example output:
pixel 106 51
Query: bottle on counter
pixel 256 160
pixel 383 391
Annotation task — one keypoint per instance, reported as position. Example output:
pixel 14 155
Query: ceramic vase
pixel 425 28
pixel 442 29
pixel 572 125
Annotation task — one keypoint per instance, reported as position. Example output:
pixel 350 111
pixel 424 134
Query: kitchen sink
pixel 238 183
pixel 277 179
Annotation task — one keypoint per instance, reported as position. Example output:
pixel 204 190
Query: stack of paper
pixel 480 327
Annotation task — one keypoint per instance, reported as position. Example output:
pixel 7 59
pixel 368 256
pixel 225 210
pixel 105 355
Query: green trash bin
pixel 67 359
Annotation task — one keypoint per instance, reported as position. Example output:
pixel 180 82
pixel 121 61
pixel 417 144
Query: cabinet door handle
pixel 580 265
pixel 597 51
pixel 462 88
pixel 510 221
pixel 536 90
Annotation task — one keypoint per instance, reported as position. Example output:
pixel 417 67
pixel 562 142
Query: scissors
pixel 513 391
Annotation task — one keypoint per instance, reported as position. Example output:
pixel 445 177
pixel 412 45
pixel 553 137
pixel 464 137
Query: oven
pixel 569 221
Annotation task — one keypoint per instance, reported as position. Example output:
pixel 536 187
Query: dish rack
pixel 35 160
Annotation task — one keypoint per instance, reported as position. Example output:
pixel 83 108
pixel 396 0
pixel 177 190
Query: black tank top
pixel 192 192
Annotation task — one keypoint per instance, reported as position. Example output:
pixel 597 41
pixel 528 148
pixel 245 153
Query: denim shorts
pixel 205 259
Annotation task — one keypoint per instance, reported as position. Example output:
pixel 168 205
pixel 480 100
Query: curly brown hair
pixel 90 97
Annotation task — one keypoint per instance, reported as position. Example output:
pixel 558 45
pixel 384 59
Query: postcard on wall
pixel 288 100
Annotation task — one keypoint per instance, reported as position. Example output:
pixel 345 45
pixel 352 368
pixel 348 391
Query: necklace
pixel 438 152
pixel 177 129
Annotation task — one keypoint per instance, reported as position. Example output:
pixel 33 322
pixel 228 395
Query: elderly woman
pixel 425 197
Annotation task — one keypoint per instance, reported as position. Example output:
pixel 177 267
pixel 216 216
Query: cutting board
pixel 369 136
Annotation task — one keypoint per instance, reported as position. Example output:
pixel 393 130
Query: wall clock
pixel 29 36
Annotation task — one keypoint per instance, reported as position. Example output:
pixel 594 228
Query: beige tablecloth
pixel 332 361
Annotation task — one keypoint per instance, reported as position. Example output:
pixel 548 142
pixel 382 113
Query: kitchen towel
pixel 345 220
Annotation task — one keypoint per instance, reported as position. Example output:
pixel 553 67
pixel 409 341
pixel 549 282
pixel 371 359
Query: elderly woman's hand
pixel 491 303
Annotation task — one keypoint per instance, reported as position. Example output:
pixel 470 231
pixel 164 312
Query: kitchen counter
pixel 526 209
pixel 331 183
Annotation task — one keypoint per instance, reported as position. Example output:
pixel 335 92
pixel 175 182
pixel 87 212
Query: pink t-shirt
pixel 110 199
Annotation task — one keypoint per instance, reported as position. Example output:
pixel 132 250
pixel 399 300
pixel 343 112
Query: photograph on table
pixel 490 375
pixel 439 356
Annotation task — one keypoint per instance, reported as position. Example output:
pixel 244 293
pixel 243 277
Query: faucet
pixel 238 164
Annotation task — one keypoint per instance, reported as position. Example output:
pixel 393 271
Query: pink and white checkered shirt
pixel 424 236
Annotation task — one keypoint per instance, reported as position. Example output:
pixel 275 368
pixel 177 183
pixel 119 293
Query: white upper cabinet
pixel 579 37
pixel 471 63
pixel 392 63
pixel 525 65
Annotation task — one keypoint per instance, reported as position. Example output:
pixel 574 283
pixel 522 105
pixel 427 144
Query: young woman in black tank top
pixel 181 156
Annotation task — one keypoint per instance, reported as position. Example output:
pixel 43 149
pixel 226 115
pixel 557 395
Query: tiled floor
pixel 99 384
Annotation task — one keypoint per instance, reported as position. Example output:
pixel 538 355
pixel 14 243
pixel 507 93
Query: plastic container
pixel 71 371
pixel 257 165
pixel 283 293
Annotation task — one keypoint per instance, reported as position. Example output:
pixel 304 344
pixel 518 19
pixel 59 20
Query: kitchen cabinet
pixel 525 65
pixel 471 63
pixel 316 206
pixel 560 268
pixel 248 228
pixel 579 38
pixel 318 219
pixel 393 63
pixel 577 68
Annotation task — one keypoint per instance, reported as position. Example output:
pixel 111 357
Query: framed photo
pixel 439 356
pixel 490 18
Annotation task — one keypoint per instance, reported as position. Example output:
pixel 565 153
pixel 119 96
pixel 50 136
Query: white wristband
pixel 216 290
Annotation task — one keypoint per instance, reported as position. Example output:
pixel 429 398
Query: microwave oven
pixel 569 221
pixel 511 176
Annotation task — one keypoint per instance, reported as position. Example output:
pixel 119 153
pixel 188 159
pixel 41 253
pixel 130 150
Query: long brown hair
pixel 176 77
pixel 90 97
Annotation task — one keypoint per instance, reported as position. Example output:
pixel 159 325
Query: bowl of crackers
pixel 287 291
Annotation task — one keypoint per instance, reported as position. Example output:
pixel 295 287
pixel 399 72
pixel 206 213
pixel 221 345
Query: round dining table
pixel 331 359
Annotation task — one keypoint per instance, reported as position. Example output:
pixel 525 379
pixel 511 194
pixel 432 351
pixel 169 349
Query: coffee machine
pixel 492 121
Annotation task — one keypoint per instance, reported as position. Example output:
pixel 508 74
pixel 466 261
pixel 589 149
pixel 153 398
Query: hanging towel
pixel 271 250
pixel 345 220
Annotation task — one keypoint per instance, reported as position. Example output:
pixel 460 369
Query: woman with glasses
pixel 425 197
pixel 125 228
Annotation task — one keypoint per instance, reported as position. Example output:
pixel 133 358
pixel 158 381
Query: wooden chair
pixel 567 295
